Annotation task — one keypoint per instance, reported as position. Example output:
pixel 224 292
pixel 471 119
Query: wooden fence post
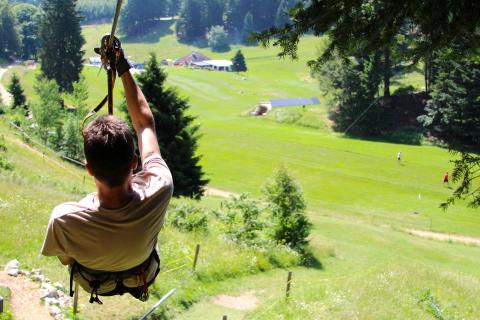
pixel 289 281
pixel 197 251
pixel 75 301
pixel 1 304
pixel 224 318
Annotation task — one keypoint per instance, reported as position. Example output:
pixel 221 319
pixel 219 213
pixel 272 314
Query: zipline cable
pixel 115 21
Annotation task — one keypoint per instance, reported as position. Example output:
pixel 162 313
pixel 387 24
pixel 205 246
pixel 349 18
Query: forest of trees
pixel 238 17
pixel 369 44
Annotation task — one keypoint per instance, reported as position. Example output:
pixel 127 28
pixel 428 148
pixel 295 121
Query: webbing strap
pixel 111 72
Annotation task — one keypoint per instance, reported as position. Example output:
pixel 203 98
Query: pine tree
pixel 453 112
pixel 190 23
pixel 16 90
pixel 282 18
pixel 177 135
pixel 248 27
pixel 62 42
pixel 139 16
pixel 238 61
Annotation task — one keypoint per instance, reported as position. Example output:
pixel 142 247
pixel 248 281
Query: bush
pixel 241 219
pixel 188 218
pixel 291 226
pixel 289 116
pixel 217 39
pixel 5 164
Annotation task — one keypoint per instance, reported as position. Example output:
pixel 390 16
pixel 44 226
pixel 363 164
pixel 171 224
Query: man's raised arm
pixel 141 116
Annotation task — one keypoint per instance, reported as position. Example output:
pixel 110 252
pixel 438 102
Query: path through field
pixel 444 237
pixel 4 94
pixel 25 298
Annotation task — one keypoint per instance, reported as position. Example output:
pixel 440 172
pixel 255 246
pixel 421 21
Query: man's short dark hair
pixel 109 149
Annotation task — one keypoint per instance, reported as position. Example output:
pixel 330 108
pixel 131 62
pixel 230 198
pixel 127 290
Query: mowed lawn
pixel 359 197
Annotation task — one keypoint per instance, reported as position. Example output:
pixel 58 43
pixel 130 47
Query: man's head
pixel 109 150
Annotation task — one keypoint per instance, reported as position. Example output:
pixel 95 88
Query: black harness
pixel 96 278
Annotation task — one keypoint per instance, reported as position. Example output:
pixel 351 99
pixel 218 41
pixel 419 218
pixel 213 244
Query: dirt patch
pixel 444 237
pixel 25 298
pixel 246 301
pixel 219 193
pixel 4 94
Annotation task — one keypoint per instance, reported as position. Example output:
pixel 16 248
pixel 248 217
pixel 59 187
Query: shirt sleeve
pixel 155 176
pixel 55 243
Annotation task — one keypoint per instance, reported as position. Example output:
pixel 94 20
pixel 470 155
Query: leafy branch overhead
pixel 371 25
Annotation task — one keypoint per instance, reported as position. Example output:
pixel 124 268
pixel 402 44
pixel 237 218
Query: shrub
pixel 5 164
pixel 289 116
pixel 189 218
pixel 241 219
pixel 217 39
pixel 286 202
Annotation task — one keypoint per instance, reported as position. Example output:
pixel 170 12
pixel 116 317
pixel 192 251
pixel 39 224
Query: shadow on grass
pixel 310 261
pixel 160 29
pixel 407 135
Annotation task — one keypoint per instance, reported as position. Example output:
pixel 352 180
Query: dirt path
pixel 25 298
pixel 245 301
pixel 444 237
pixel 4 94
pixel 219 193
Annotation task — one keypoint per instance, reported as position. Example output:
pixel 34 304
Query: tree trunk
pixel 386 73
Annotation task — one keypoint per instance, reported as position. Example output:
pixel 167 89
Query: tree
pixel 173 7
pixel 72 143
pixel 373 25
pixel 62 42
pixel 47 112
pixel 282 17
pixel 353 85
pixel 238 61
pixel 288 206
pixel 139 16
pixel 213 13
pixel 248 28
pixel 453 116
pixel 16 90
pixel 217 39
pixel 9 39
pixel 28 17
pixel 190 23
pixel 453 112
pixel 177 135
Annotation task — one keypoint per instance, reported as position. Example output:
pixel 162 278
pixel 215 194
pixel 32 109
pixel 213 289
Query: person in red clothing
pixel 445 177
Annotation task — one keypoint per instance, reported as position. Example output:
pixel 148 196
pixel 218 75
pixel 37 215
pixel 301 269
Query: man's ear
pixel 89 169
pixel 134 162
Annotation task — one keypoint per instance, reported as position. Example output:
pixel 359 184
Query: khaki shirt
pixel 113 240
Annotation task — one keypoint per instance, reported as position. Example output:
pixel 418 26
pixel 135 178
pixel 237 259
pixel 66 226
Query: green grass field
pixel 360 199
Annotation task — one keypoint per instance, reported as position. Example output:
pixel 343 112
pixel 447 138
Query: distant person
pixel 445 177
pixel 399 156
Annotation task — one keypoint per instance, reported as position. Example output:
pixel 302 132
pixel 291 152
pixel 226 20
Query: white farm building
pixel 216 65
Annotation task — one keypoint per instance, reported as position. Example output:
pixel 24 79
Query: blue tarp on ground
pixel 294 102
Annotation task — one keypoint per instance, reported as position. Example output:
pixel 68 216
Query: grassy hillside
pixel 360 199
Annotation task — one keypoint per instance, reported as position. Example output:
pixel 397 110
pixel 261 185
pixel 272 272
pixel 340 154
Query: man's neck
pixel 114 198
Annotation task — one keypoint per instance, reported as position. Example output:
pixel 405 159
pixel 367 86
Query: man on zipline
pixel 108 239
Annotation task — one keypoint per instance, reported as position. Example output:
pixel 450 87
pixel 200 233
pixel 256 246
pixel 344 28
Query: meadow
pixel 360 200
